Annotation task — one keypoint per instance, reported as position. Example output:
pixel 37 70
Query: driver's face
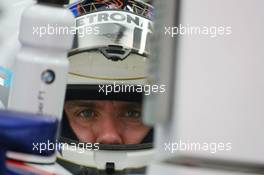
pixel 106 122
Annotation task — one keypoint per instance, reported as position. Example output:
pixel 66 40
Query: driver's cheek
pixel 83 131
pixel 134 134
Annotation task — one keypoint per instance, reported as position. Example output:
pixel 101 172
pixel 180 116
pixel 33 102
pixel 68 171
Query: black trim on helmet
pixel 93 92
pixel 83 170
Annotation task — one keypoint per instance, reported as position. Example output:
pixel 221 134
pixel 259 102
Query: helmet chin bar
pixel 107 161
pixel 109 169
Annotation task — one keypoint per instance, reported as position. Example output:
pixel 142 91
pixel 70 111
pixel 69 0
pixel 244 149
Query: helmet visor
pixel 95 65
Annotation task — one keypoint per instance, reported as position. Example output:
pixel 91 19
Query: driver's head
pixel 108 60
pixel 114 51
pixel 106 121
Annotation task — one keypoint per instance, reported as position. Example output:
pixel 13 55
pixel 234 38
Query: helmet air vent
pixel 115 52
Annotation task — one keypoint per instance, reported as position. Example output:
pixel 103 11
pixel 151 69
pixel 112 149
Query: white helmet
pixel 111 51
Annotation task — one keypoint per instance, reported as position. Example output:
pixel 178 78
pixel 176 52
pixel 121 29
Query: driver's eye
pixel 87 113
pixel 133 114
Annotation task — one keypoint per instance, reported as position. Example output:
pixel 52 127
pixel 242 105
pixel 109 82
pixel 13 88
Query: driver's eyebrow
pixel 132 105
pixel 82 103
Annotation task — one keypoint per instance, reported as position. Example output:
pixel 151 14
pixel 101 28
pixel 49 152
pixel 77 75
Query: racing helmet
pixel 108 68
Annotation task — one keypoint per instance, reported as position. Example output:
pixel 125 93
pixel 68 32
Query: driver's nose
pixel 109 132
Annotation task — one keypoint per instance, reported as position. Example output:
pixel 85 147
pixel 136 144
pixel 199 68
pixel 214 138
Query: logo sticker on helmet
pixel 114 16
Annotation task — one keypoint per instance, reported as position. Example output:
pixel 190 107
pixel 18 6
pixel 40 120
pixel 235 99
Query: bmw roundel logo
pixel 48 76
